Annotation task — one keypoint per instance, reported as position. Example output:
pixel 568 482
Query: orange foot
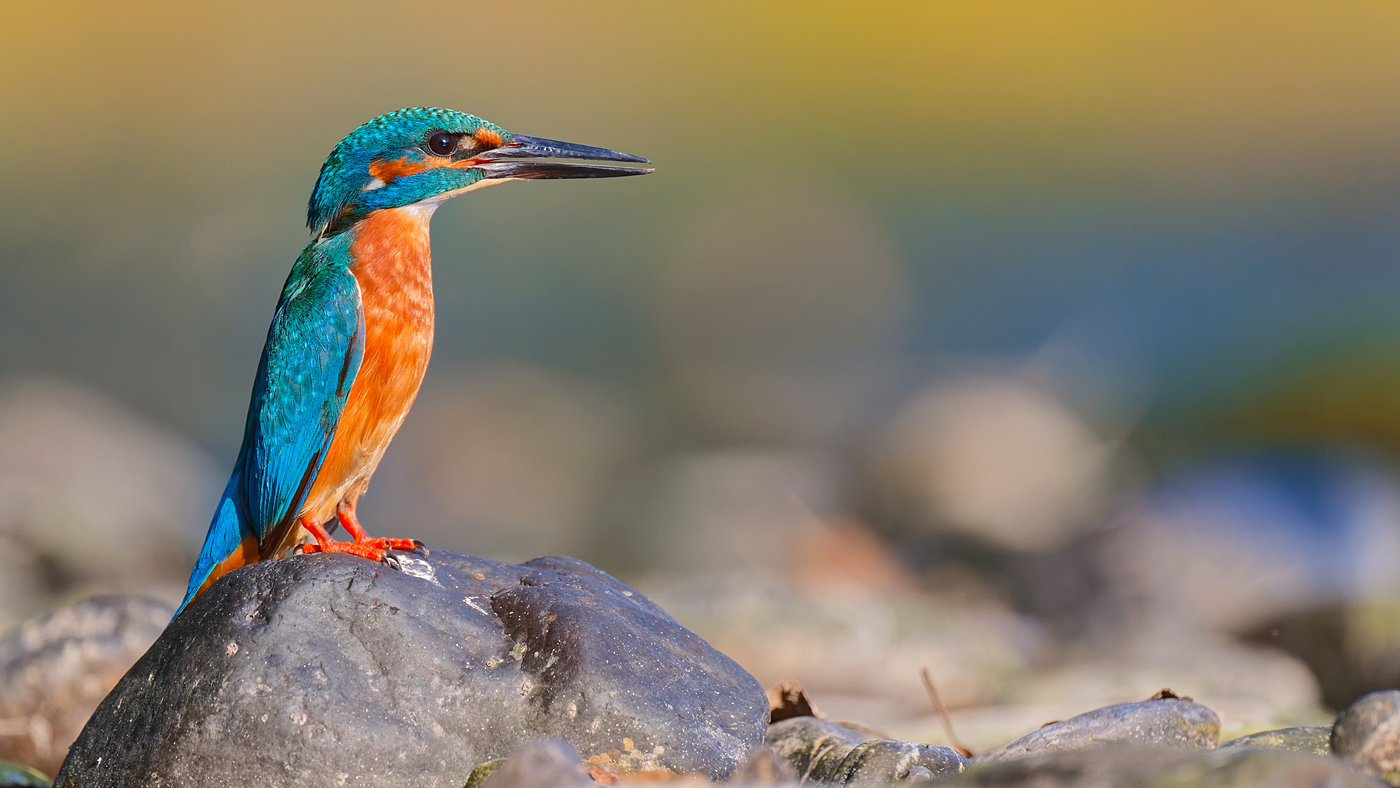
pixel 375 549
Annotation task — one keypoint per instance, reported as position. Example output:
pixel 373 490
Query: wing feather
pixel 313 352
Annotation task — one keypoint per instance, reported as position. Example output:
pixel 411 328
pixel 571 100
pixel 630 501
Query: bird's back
pixel 309 363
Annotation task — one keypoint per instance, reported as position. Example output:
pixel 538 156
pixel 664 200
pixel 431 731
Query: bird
pixel 353 329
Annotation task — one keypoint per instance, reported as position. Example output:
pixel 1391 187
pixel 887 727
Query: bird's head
pixel 430 154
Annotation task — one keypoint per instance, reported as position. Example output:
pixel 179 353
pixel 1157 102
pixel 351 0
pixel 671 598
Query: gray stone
pixel 764 767
pixel 545 763
pixel 54 670
pixel 1311 739
pixel 330 670
pixel 1172 724
pixel 1136 767
pixel 831 752
pixel 1367 733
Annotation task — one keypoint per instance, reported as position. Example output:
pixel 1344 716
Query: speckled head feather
pixel 388 162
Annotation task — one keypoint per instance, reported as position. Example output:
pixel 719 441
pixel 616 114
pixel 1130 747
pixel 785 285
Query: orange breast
pixel 393 267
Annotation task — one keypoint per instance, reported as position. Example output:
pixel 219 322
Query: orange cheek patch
pixel 488 138
pixel 389 170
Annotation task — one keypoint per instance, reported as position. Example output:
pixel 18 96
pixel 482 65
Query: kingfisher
pixel 353 329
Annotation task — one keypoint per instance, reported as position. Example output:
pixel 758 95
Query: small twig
pixel 942 712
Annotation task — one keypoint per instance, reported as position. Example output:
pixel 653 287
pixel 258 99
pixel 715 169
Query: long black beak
pixel 535 157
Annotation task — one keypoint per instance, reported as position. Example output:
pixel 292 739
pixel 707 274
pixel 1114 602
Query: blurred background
pixel 1053 347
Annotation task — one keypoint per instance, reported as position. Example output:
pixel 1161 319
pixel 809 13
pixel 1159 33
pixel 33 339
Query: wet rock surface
pixel 1367 733
pixel 831 752
pixel 1311 739
pixel 336 671
pixel 1130 767
pixel 1171 724
pixel 54 671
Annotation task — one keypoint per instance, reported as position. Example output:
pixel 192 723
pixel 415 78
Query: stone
pixel 1172 724
pixel 14 775
pixel 1311 739
pixel 764 767
pixel 1367 733
pixel 331 670
pixel 54 671
pixel 1136 767
pixel 545 763
pixel 832 752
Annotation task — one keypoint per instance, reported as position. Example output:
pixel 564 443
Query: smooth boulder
pixel 1367 733
pixel 1169 724
pixel 331 670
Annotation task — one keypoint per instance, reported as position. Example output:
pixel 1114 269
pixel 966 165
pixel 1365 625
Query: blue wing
pixel 312 355
pixel 313 352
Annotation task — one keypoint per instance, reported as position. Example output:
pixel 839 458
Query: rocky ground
pixel 454 670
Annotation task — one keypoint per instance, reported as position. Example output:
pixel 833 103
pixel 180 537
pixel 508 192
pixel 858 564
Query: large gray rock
pixel 831 752
pixel 1171 724
pixel 1367 733
pixel 330 670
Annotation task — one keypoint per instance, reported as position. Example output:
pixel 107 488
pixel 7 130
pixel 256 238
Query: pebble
pixel 830 752
pixel 544 763
pixel 764 767
pixel 1311 739
pixel 1173 724
pixel 1137 767
pixel 1367 733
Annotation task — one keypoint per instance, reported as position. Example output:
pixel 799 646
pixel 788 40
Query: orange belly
pixel 393 267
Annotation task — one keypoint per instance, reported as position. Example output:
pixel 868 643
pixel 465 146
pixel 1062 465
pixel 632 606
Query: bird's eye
pixel 442 143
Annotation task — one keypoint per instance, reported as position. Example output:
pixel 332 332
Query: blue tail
pixel 228 544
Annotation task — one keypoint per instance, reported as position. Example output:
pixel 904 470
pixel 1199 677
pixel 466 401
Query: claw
pixel 411 564
pixel 375 549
